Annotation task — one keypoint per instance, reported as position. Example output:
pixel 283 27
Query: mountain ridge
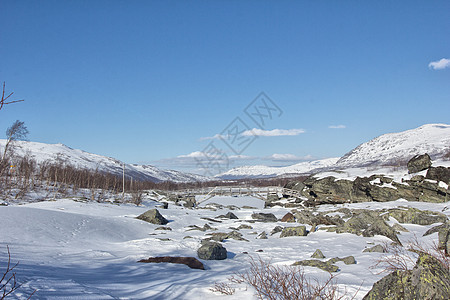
pixel 79 158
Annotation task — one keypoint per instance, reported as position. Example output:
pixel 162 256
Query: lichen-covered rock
pixel 153 216
pixel 419 163
pixel 444 239
pixel 439 174
pixel 212 251
pixel 416 216
pixel 318 264
pixel 264 217
pixel 376 248
pixel 348 260
pixel 318 254
pixel 368 223
pixel 294 231
pixel 429 279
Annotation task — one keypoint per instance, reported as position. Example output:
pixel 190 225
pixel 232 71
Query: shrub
pixel 282 282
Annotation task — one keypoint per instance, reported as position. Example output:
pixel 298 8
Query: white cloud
pixel 214 137
pixel 440 64
pixel 337 126
pixel 273 132
pixel 289 157
pixel 192 155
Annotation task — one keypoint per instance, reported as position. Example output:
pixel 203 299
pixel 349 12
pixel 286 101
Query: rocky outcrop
pixel 368 223
pixel 419 163
pixel 429 279
pixel 191 262
pixel 212 251
pixel 153 216
pixel 378 188
pixel 415 216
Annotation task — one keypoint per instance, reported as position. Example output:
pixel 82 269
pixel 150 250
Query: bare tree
pixel 3 100
pixel 17 131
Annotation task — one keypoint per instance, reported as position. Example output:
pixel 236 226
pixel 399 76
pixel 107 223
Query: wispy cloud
pixel 273 132
pixel 288 157
pixel 337 126
pixel 440 64
pixel 214 137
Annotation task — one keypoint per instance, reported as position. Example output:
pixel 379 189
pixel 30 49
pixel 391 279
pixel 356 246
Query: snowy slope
pixel 73 250
pixel 264 171
pixel 394 148
pixel 58 152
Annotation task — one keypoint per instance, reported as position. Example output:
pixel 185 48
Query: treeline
pixel 23 174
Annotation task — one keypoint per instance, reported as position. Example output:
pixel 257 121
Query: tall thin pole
pixel 123 183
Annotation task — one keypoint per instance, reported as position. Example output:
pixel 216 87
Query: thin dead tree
pixel 4 99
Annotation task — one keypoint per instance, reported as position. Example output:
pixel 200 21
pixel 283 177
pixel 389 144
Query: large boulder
pixel 294 231
pixel 419 163
pixel 439 174
pixel 212 251
pixel 153 216
pixel 429 279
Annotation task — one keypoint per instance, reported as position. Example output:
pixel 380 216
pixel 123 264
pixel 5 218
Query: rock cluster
pixel 379 188
pixel 429 279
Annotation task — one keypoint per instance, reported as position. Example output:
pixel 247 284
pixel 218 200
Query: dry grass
pixel 282 283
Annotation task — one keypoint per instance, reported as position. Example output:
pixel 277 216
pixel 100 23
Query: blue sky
pixel 151 81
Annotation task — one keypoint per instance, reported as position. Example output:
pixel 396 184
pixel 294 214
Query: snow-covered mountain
pixel 267 172
pixel 58 152
pixel 397 148
pixel 392 149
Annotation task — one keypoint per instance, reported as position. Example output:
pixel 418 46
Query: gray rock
pixel 245 226
pixel 264 217
pixel 153 216
pixel 318 254
pixel 429 279
pixel 276 230
pixel 229 215
pixel 262 236
pixel 416 216
pixel 419 163
pixel 326 266
pixel 376 248
pixel 348 260
pixel 212 251
pixel 444 240
pixel 294 231
pixel 439 174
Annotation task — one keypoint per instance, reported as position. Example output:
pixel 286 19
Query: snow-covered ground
pixel 76 250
